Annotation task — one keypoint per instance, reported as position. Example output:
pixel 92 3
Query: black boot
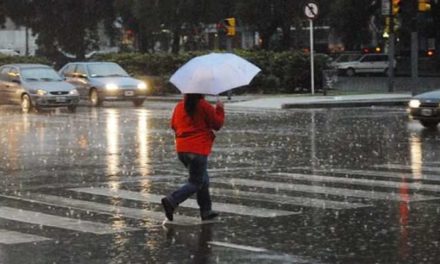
pixel 208 215
pixel 168 208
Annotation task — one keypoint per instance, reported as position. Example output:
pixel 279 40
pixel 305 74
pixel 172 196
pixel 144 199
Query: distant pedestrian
pixel 193 122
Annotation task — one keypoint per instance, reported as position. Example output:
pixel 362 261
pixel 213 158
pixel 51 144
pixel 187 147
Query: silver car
pixel 35 86
pixel 367 63
pixel 104 81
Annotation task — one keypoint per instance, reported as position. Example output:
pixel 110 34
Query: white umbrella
pixel 213 74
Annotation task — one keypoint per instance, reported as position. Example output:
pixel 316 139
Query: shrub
pixel 23 59
pixel 281 72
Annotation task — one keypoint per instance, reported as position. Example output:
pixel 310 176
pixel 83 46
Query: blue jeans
pixel 198 182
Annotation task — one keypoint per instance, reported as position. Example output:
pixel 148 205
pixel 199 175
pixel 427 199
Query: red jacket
pixel 196 135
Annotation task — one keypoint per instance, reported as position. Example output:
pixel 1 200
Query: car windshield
pixel 348 57
pixel 40 74
pixel 106 70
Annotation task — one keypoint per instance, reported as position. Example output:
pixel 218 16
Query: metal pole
pixel 414 60
pixel 229 49
pixel 391 52
pixel 26 52
pixel 414 47
pixel 312 66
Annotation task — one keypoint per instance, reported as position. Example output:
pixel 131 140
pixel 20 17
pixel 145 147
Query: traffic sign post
pixel 311 11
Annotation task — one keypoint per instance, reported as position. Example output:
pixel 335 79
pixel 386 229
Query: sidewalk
pixel 305 101
pixel 326 101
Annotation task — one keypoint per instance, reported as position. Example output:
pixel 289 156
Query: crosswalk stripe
pixel 236 246
pixel 374 195
pixel 143 214
pixel 33 217
pixel 365 182
pixel 123 180
pixel 190 203
pixel 284 199
pixel 11 237
pixel 381 174
pixel 258 254
pixel 407 167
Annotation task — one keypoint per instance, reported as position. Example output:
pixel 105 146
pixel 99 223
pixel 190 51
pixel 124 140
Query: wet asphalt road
pixel 293 186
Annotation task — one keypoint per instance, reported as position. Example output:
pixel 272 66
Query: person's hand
pixel 219 104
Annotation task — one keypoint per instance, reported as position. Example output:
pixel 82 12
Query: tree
pixel 70 25
pixel 2 13
pixel 268 17
pixel 263 15
pixel 174 17
pixel 182 15
pixel 350 20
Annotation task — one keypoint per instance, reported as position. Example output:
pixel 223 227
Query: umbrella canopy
pixel 213 74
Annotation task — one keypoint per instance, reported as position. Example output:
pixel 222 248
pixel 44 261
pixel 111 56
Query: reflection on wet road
pixel 298 186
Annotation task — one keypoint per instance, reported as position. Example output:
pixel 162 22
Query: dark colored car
pixel 425 107
pixel 35 86
pixel 104 81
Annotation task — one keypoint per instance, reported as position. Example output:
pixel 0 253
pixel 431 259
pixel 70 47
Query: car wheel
pixel 94 98
pixel 350 72
pixel 138 102
pixel 71 108
pixel 26 104
pixel 429 124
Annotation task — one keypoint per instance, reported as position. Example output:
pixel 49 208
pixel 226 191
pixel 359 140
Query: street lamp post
pixel 391 48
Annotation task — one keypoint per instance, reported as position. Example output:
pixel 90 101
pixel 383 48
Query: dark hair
pixel 191 101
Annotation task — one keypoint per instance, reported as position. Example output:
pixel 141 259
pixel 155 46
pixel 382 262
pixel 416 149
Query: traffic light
pixel 430 52
pixel 396 5
pixel 424 5
pixel 230 25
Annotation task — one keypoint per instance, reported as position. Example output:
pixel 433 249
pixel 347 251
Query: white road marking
pixel 284 199
pixel 11 237
pixel 379 174
pixel 407 167
pixel 236 246
pixel 374 195
pixel 190 203
pixel 108 209
pixel 364 182
pixel 32 217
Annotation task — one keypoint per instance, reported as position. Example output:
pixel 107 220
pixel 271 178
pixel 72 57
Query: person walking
pixel 194 121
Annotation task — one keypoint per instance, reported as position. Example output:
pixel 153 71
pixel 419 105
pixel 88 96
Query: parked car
pixel 425 107
pixel 104 81
pixel 35 86
pixel 367 63
pixel 346 57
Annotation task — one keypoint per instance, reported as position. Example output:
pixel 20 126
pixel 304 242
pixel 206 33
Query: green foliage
pixel 282 72
pixel 23 59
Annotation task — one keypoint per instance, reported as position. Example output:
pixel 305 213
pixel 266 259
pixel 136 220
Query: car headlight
pixel 142 86
pixel 111 86
pixel 74 92
pixel 414 103
pixel 41 92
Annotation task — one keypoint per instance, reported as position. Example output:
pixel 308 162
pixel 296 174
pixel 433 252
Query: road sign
pixel 386 7
pixel 311 10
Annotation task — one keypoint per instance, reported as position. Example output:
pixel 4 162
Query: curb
pixel 340 104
